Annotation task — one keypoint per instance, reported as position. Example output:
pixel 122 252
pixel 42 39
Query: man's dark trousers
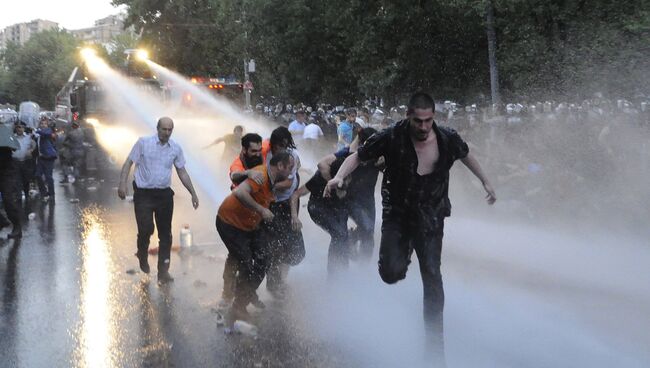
pixel 420 230
pixel 25 174
pixel 247 249
pixel 158 205
pixel 44 167
pixel 10 193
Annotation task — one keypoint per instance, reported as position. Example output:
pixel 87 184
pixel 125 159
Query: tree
pixel 37 70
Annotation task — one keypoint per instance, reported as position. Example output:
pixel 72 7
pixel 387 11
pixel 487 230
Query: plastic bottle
pixel 245 328
pixel 186 237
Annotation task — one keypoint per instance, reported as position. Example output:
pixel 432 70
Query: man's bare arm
pixel 124 175
pixel 216 141
pixel 295 201
pixel 324 166
pixel 238 177
pixel 348 166
pixel 473 166
pixel 187 183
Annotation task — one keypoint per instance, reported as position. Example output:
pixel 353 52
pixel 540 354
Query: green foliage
pixel 38 69
pixel 343 50
pixel 339 51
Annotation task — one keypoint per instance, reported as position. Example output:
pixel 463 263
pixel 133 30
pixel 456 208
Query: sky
pixel 70 14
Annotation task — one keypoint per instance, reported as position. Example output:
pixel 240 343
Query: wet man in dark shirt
pixel 418 156
pixel 360 198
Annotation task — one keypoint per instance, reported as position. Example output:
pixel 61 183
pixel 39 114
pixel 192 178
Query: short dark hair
pixel 420 100
pixel 366 133
pixel 301 112
pixel 350 110
pixel 249 138
pixel 281 156
pixel 281 134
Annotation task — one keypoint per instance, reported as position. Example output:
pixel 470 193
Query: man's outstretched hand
pixel 491 197
pixel 331 187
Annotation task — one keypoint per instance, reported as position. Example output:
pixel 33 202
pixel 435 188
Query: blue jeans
pixel 44 167
pixel 334 220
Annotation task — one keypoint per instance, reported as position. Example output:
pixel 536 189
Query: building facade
pixel 104 31
pixel 21 32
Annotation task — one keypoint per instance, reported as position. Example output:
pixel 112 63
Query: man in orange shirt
pixel 238 221
pixel 249 157
pixel 242 168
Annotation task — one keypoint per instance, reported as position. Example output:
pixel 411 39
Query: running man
pixel 418 156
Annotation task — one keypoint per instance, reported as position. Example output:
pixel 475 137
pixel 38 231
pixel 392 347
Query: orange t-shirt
pixel 236 166
pixel 266 148
pixel 236 214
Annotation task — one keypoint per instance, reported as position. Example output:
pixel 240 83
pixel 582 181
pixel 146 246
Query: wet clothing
pixel 285 246
pixel 149 205
pixel 154 160
pixel 238 227
pixel 360 204
pixel 421 231
pixel 247 258
pixel 239 164
pixel 414 208
pixel 402 188
pixel 235 213
pixel 331 215
pixel 283 195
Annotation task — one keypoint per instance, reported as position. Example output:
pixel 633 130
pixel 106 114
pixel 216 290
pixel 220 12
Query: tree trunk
pixel 492 52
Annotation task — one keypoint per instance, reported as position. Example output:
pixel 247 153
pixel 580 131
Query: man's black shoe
pixel 165 277
pixel 15 234
pixel 144 263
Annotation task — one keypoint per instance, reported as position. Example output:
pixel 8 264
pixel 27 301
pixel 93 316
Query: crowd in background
pixel 546 157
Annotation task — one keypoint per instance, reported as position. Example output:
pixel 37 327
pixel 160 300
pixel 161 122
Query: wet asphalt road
pixel 72 293
pixel 513 298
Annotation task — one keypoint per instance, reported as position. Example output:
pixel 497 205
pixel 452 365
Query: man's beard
pixel 251 162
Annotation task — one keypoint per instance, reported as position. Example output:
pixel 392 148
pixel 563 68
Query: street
pixel 72 295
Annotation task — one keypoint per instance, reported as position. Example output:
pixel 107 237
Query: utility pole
pixel 247 91
pixel 492 52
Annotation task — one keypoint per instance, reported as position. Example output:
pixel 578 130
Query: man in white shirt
pixel 313 132
pixel 154 157
pixel 297 127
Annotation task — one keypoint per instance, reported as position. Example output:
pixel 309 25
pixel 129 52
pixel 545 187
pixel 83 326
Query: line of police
pixel 27 154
